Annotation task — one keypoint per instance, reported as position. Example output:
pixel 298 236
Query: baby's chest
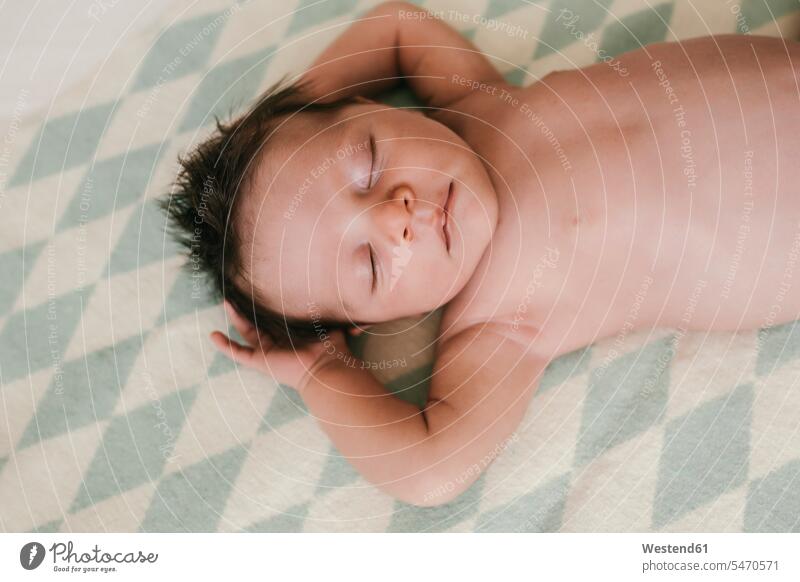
pixel 516 283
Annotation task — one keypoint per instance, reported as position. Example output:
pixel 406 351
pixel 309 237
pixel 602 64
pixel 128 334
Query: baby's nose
pixel 397 213
pixel 420 212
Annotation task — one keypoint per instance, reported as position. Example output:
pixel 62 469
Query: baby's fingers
pixel 235 351
pixel 246 329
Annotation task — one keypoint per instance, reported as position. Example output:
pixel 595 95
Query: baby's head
pixel 338 214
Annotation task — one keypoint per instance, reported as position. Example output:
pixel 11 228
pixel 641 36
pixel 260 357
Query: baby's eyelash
pixel 366 182
pixel 374 155
pixel 372 264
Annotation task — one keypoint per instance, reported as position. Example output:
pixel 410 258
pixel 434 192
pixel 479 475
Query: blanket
pixel 117 414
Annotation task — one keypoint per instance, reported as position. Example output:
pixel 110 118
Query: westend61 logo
pixel 65 559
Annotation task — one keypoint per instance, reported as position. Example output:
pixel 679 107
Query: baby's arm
pixel 481 385
pixel 399 40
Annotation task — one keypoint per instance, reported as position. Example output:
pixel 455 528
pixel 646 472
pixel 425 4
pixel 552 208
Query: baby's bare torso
pixel 667 197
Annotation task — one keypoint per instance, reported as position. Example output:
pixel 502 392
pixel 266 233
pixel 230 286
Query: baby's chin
pixel 432 301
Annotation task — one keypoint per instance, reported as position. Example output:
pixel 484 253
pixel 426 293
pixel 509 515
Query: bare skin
pixel 673 189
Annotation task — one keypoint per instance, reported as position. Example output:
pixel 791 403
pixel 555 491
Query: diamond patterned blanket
pixel 116 414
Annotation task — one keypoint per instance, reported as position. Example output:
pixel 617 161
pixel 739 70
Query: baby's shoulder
pixel 458 322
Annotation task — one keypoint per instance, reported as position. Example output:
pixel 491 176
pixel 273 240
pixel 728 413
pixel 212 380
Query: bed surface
pixel 116 414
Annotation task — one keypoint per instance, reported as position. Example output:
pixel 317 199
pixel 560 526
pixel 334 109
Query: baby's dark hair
pixel 202 207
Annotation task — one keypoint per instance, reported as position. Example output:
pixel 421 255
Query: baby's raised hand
pixel 287 366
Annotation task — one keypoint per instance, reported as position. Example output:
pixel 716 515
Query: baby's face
pixel 365 214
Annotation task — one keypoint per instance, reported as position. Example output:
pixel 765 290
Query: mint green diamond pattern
pixel 187 295
pixel 706 453
pixel 86 392
pixel 193 499
pixel 777 346
pixel 625 399
pixel 555 35
pixel 49 527
pixel 758 12
pixel 313 12
pixel 135 448
pixel 470 34
pixel 541 510
pixel 15 265
pixel 221 364
pixel 563 368
pixel 518 77
pixel 290 521
pixel 111 184
pixel 497 8
pixel 143 241
pixel 773 503
pixel 337 472
pixel 226 89
pixel 63 143
pixel 637 30
pixel 284 407
pixel 409 518
pixel 37 337
pixel 181 49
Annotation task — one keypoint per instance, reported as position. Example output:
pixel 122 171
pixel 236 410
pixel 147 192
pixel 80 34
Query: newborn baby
pixel 661 191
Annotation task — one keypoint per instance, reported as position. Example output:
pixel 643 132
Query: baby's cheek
pixel 432 283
